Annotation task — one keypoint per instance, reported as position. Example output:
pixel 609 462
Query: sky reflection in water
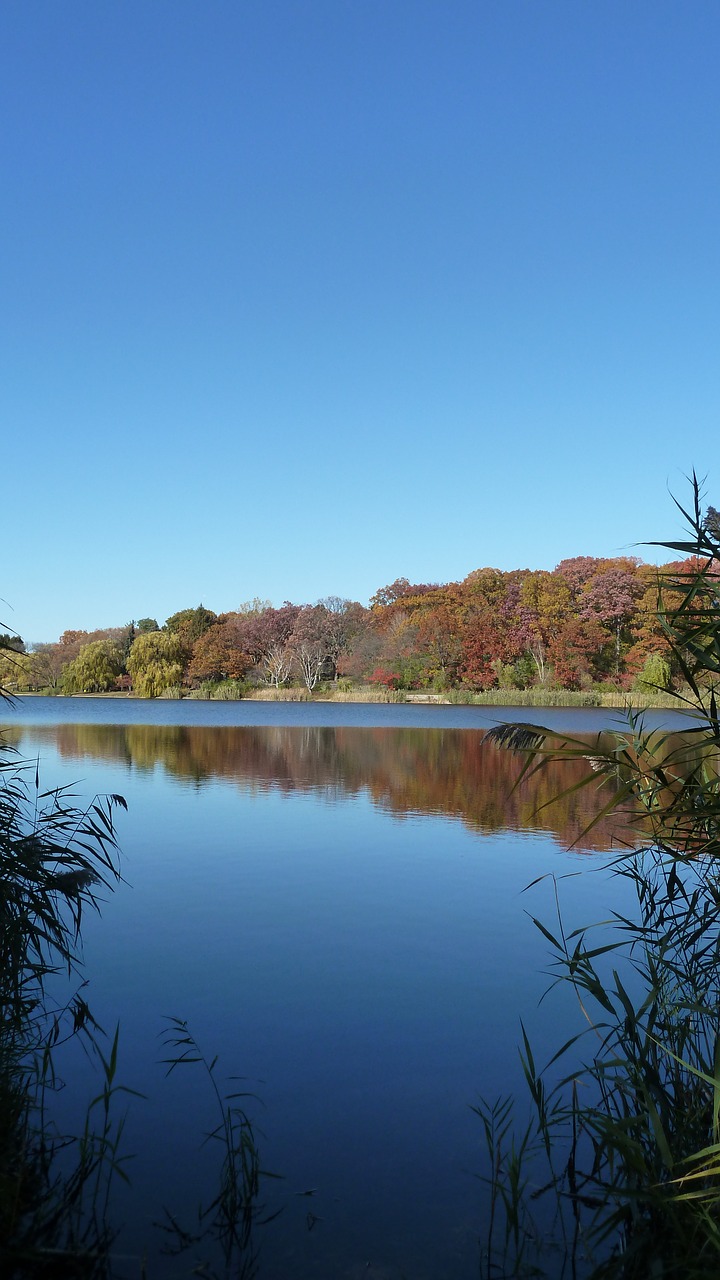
pixel 338 913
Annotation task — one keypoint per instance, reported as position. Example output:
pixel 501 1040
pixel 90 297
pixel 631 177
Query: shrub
pixel 654 676
pixel 228 690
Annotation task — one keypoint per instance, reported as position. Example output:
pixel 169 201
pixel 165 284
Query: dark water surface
pixel 332 896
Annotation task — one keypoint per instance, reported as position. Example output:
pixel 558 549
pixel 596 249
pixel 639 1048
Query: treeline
pixel 590 622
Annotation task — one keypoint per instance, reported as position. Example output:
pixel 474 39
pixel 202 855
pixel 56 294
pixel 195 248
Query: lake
pixel 332 897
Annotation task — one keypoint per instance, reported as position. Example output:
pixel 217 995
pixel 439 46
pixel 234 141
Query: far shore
pixel 614 699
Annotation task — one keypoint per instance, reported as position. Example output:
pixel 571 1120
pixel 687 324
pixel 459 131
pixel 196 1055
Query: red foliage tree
pixel 611 598
pixel 218 655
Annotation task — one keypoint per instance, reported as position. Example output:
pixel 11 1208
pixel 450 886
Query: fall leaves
pixel 588 621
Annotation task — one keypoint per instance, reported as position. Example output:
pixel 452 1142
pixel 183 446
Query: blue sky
pixel 300 296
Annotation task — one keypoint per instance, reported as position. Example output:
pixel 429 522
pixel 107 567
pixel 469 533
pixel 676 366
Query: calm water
pixel 332 896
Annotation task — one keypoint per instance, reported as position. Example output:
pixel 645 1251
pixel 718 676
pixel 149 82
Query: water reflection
pixel 451 772
pixel 364 974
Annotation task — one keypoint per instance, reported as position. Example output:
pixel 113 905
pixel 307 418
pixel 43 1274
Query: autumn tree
pixel 488 609
pixel 610 597
pixel 545 604
pixel 414 626
pixel 70 644
pixel 425 629
pixel 646 632
pixel 388 595
pixel 439 643
pixel 265 637
pixel 344 618
pixel 399 590
pixel 48 661
pixel 577 572
pixel 254 606
pixel 362 654
pixel 309 643
pixel 573 650
pixel 218 653
pixel 483 647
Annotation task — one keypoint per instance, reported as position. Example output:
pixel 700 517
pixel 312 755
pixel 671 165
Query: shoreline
pixel 493 698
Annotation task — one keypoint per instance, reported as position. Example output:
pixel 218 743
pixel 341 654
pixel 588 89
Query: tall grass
pixel 56 1190
pixel 294 693
pixel 364 693
pixel 285 693
pixel 527 698
pixel 616 1172
pixel 56 858
pixel 561 698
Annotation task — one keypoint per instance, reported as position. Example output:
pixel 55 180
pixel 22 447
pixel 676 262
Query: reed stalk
pixel 56 858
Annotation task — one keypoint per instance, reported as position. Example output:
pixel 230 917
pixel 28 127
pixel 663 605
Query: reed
pixel 226 1224
pixel 616 1173
pixel 562 698
pixel 364 693
pixel 56 858
pixel 527 698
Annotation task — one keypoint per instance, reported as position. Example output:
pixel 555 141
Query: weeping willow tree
pixel 96 668
pixel 617 1172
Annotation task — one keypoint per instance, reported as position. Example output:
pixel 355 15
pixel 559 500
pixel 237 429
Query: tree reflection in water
pixel 456 773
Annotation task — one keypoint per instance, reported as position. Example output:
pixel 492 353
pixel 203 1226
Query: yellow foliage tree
pixel 155 663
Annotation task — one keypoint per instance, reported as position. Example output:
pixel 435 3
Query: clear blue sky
pixel 300 296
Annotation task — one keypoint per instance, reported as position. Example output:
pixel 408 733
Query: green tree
pixel 127 641
pixel 190 624
pixel 654 675
pixel 155 663
pixel 17 671
pixel 711 523
pixel 95 669
pixel 8 640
